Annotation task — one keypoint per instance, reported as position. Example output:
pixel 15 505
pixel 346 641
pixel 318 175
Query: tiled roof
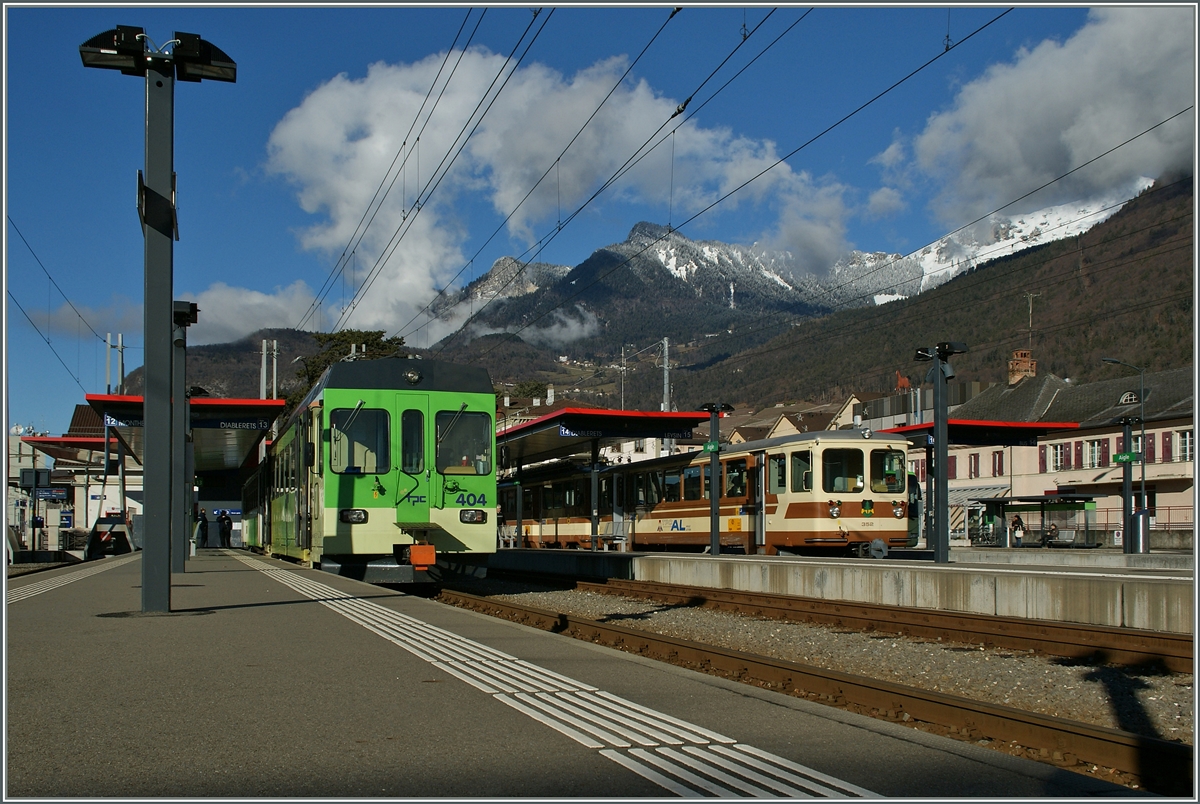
pixel 1049 398
pixel 86 423
pixel 1027 401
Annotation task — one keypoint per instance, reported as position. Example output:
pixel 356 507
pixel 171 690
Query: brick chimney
pixel 1021 365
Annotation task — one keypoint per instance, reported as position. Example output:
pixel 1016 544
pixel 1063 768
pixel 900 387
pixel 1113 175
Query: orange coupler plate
pixel 422 556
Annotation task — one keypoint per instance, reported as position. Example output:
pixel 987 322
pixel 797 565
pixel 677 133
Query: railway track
pixel 1160 766
pixel 1121 646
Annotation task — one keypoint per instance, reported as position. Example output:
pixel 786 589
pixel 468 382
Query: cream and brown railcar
pixel 841 491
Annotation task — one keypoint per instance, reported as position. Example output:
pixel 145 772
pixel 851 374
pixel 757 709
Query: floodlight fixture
pixel 925 354
pixel 121 49
pixel 945 349
pixel 197 59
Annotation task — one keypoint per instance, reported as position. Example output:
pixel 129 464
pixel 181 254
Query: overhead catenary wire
pixel 52 280
pixel 443 168
pixel 764 171
pixel 47 340
pixel 360 229
pixel 554 166
pixel 632 160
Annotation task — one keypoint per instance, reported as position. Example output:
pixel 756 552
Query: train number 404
pixel 471 499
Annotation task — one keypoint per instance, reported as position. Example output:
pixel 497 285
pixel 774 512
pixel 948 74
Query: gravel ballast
pixel 1148 701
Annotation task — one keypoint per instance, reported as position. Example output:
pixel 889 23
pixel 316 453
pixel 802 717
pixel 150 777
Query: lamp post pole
pixel 128 49
pixel 714 472
pixel 158 230
pixel 1143 507
pixel 939 374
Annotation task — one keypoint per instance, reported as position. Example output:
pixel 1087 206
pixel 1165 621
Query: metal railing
pixel 1164 517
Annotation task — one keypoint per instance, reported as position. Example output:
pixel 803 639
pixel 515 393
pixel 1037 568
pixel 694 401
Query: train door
pixel 311 484
pixel 300 452
pixel 413 490
pixel 758 502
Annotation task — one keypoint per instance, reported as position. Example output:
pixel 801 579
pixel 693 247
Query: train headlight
pixel 898 509
pixel 472 516
pixel 353 516
pixel 835 508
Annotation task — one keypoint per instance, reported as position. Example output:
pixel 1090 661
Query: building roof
pixel 1096 404
pixel 224 431
pixel 1026 401
pixel 571 431
pixel 1047 398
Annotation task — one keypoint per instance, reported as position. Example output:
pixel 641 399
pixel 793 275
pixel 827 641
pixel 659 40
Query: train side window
pixel 655 492
pixel 464 443
pixel 842 470
pixel 412 442
pixel 776 474
pixel 802 471
pixel 671 486
pixel 888 471
pixel 359 443
pixel 735 478
pixel 691 483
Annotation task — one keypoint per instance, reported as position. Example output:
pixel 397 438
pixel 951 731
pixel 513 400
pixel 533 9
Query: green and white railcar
pixel 384 463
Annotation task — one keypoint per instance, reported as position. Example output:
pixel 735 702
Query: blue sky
pixel 276 171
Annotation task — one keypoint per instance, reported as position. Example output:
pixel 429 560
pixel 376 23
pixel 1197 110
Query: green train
pixel 384 467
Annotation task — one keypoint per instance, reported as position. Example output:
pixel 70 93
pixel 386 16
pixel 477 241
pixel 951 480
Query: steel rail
pixel 1161 766
pixel 1122 646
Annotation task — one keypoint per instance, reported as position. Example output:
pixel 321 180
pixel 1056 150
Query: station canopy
pixel 982 433
pixel 574 431
pixel 224 431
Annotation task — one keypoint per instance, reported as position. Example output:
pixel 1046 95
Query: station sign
pixel 712 446
pixel 566 432
pixel 231 423
pixel 52 492
pixel 1127 457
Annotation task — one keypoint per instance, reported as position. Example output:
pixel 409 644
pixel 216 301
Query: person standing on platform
pixel 225 521
pixel 1018 529
pixel 202 530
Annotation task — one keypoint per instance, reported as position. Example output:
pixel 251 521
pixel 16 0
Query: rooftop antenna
pixel 1031 297
pixel 948 42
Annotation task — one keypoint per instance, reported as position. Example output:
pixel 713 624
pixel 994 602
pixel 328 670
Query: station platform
pixel 1147 591
pixel 270 680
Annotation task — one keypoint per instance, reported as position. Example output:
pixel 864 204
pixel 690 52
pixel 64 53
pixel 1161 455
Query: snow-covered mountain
pixel 748 279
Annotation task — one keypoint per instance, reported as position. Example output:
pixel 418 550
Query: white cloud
pixel 884 202
pixel 119 315
pixel 1059 105
pixel 339 142
pixel 228 313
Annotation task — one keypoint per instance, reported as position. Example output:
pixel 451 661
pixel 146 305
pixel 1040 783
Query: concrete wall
pixel 1106 597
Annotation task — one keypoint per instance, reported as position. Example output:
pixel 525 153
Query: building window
pixel 998 463
pixel 973 465
pixel 1092 455
pixel 639 445
pixel 1185 445
pixel 1058 457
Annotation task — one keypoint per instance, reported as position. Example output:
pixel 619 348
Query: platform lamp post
pixel 713 448
pixel 1136 542
pixel 128 49
pixel 939 374
pixel 184 315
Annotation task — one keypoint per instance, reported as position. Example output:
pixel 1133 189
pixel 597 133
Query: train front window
pixel 842 470
pixel 464 443
pixel 412 442
pixel 888 471
pixel 359 441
